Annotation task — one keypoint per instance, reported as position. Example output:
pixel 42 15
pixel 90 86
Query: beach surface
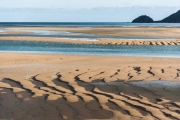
pixel 42 86
pixel 136 35
pixel 79 87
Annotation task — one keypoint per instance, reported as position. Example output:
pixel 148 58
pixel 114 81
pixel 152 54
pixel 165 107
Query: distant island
pixel 143 19
pixel 174 18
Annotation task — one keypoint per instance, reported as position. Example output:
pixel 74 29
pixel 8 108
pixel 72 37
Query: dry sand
pixel 43 87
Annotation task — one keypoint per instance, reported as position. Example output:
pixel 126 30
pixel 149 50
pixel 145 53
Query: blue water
pixel 89 24
pixel 78 49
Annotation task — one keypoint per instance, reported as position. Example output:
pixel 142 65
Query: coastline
pixel 59 86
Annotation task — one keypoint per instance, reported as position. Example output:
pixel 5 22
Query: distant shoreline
pixel 94 35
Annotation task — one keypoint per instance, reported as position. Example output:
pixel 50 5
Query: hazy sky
pixel 84 10
pixel 85 3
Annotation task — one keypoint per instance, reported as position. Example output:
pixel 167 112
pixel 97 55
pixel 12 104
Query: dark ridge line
pixel 46 96
pixel 159 100
pixel 149 71
pixel 141 108
pixel 17 82
pixel 65 98
pixel 131 81
pixel 45 85
pixel 177 111
pixel 100 73
pixel 168 43
pixel 77 79
pixel 109 96
pixel 119 70
pixel 175 105
pixel 95 98
pixel 150 43
pixel 139 101
pixel 45 90
pixel 177 75
pixel 42 89
pixel 116 73
pixel 162 43
pixel 130 76
pixel 162 70
pixel 169 116
pixel 126 111
pixel 48 91
pixel 156 43
pixel 138 96
pixel 107 85
pixel 81 98
pixel 138 69
pixel 175 43
pixel 67 83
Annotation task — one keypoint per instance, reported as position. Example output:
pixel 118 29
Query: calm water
pixel 89 24
pixel 71 35
pixel 67 48
pixel 64 48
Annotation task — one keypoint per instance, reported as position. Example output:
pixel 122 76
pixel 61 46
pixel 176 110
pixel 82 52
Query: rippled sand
pixel 43 87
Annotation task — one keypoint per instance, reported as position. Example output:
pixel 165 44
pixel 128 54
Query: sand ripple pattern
pixel 90 94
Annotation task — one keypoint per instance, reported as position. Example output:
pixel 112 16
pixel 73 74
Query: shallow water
pixel 79 49
pixel 69 35
pixel 153 90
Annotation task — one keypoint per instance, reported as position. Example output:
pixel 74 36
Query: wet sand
pixel 78 87
pixel 98 41
pixel 42 87
pixel 150 35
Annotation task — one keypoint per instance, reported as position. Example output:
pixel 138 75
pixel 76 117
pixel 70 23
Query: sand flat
pixel 78 87
pixel 150 35
pixel 45 86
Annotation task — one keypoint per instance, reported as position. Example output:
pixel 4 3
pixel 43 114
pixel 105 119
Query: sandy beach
pixel 42 86
pixel 86 87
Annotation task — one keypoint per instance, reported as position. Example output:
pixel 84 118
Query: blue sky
pixel 84 10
